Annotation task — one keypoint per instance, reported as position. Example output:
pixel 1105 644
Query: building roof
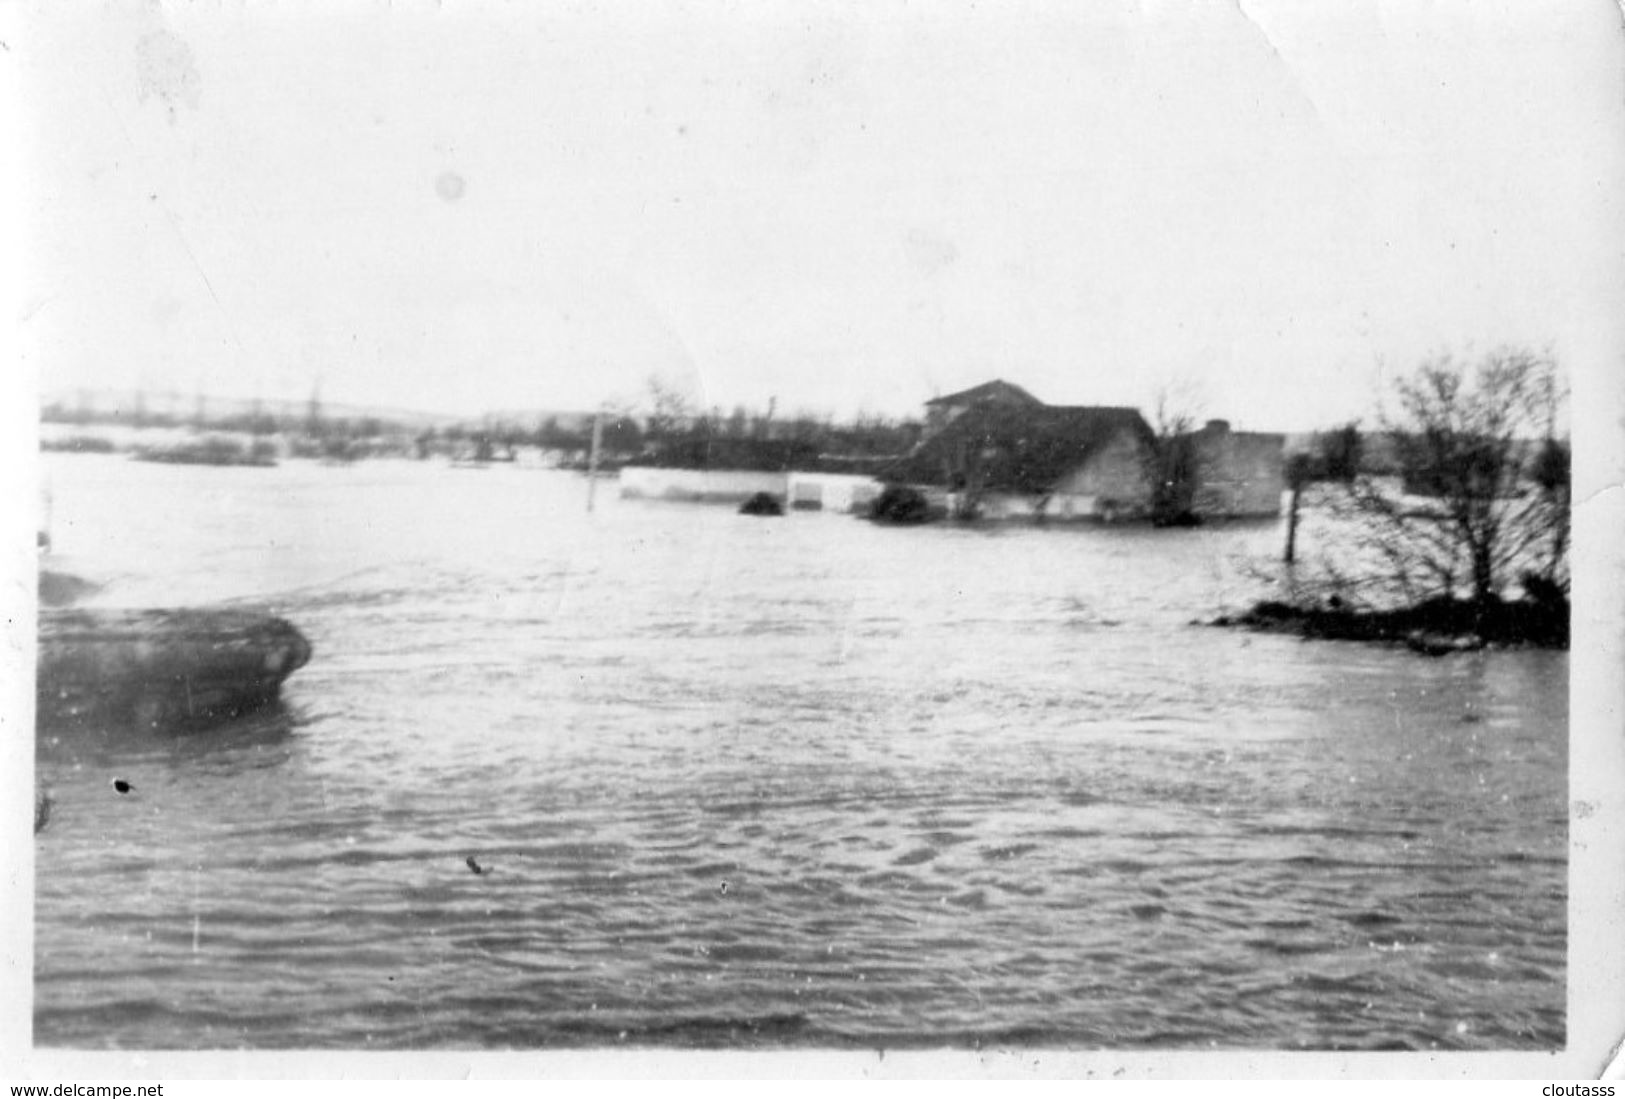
pixel 1016 448
pixel 998 388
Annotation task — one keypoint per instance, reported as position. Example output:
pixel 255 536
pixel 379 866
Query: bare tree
pixel 1174 457
pixel 670 411
pixel 1481 495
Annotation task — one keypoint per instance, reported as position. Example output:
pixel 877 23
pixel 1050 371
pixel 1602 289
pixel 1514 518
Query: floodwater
pixel 798 782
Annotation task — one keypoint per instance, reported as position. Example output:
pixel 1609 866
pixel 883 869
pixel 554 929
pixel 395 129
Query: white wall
pixel 838 492
pixel 707 485
pixel 843 492
pixel 1061 507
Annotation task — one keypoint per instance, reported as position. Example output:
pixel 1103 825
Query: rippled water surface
pixel 793 782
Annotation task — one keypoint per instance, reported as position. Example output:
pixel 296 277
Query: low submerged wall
pixel 840 492
pixel 719 486
pixel 1062 507
pixel 843 492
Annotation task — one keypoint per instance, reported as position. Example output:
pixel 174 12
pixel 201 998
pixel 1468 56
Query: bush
pixel 762 503
pixel 900 504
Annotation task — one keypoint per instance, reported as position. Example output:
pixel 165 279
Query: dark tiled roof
pixel 1024 449
pixel 998 387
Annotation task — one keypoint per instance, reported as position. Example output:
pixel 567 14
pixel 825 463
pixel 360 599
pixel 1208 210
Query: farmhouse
pixel 996 451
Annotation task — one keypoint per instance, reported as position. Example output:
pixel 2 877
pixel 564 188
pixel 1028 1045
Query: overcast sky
pixel 844 206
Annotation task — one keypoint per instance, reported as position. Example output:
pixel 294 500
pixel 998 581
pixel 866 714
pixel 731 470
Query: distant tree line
pixel 677 434
pixel 666 428
pixel 255 420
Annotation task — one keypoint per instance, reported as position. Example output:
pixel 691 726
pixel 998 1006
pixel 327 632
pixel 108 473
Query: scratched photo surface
pixel 566 528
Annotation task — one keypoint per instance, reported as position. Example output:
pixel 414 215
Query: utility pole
pixel 592 458
pixel 313 411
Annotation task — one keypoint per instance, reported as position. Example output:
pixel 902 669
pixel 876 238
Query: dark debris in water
pixel 1435 627
pixel 1370 919
pixel 1290 948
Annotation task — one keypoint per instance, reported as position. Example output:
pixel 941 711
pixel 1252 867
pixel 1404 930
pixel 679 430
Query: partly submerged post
pixel 1297 475
pixel 1292 526
pixel 592 458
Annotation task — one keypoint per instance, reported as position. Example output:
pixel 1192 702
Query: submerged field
pixel 780 782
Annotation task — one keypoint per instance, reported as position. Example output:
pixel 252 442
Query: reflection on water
pixel 78 742
pixel 779 782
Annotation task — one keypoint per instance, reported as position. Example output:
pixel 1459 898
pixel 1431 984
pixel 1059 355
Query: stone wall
pixel 1243 472
pixel 1111 484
